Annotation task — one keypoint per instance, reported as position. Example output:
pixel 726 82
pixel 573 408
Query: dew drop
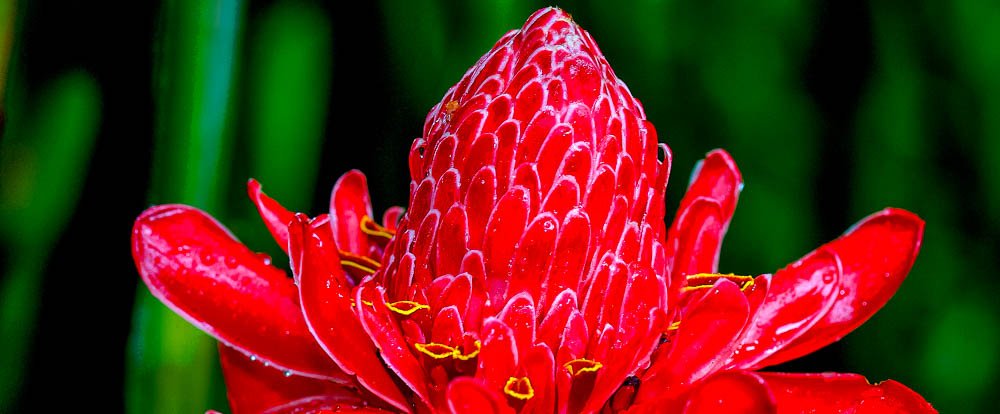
pixel 231 262
pixel 264 257
pixel 828 278
pixel 287 373
pixel 208 259
pixel 843 292
pixel 548 225
pixel 253 358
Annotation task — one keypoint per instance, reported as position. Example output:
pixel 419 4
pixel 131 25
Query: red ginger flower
pixel 532 271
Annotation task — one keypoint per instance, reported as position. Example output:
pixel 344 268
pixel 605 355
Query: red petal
pixel 841 393
pixel 467 395
pixel 637 332
pixel 322 405
pixel 519 314
pixel 506 224
pixel 704 339
pixel 875 254
pixel 733 393
pixel 695 237
pixel 798 296
pixel 539 366
pixel 552 327
pixel 532 256
pixel 327 306
pixel 253 387
pixel 498 357
pixel 380 324
pixel 275 217
pixel 569 260
pixel 199 270
pixel 349 202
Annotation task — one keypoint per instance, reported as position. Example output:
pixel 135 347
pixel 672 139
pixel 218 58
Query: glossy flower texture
pixel 532 272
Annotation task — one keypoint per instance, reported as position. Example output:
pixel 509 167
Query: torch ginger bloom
pixel 532 271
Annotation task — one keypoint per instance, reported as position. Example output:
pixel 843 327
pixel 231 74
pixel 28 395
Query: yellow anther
pixel 465 357
pixel 436 350
pixel 362 263
pixel 674 326
pixel 441 351
pixel 354 265
pixel 366 302
pixel 371 228
pixel 405 307
pixel 706 280
pixel 581 365
pixel 519 387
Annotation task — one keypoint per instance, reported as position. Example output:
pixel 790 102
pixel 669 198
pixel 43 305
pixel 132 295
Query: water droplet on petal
pixel 231 262
pixel 264 257
pixel 208 259
pixel 828 278
pixel 287 373
pixel 548 225
pixel 253 357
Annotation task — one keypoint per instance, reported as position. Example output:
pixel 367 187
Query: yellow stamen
pixel 706 280
pixel 519 387
pixel 465 357
pixel 436 350
pixel 362 268
pixel 371 228
pixel 674 326
pixel 362 263
pixel 405 307
pixel 581 365
pixel 366 302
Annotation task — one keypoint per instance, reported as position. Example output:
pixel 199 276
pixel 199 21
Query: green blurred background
pixel 833 110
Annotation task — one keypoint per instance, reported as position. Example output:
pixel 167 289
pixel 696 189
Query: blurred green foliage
pixel 43 164
pixel 242 94
pixel 171 365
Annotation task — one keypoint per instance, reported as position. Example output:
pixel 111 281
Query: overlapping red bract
pixel 532 272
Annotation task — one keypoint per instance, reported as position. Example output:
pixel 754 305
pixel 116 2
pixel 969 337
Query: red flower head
pixel 532 271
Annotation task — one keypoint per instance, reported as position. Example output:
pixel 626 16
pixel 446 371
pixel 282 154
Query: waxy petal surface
pixel 830 393
pixel 253 387
pixel 875 256
pixel 695 238
pixel 329 309
pixel 199 270
pixel 349 204
pixel 275 217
